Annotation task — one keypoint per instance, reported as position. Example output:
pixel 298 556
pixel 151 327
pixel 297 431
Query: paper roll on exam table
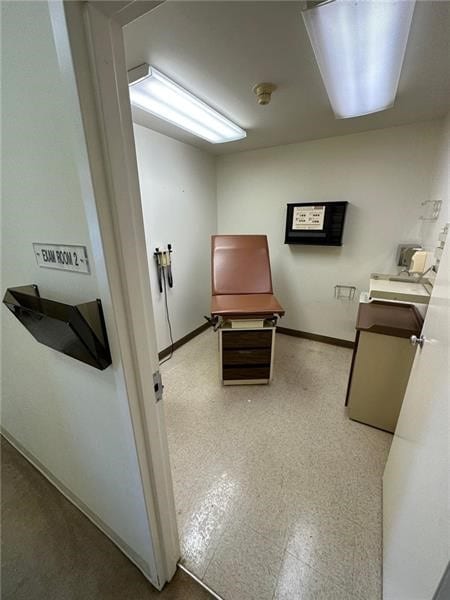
pixel 244 304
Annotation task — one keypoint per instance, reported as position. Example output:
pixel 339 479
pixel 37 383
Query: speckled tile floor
pixel 278 493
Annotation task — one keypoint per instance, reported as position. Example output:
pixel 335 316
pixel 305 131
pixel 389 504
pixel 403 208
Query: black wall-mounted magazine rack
pixel 78 331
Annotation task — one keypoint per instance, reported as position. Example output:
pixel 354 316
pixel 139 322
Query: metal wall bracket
pixel 344 292
pixel 432 210
pixel 158 386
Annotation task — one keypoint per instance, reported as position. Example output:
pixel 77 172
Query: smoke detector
pixel 263 92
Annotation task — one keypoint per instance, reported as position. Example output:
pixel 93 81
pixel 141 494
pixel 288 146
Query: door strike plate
pixel 158 386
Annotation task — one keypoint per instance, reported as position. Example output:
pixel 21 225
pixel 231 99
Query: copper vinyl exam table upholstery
pixel 244 305
pixel 241 277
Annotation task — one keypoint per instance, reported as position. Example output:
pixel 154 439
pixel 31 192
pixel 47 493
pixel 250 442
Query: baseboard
pixel 187 338
pixel 206 587
pixel 73 499
pixel 285 330
pixel 317 338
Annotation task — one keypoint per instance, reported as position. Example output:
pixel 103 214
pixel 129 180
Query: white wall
pixel 384 175
pixel 178 189
pixel 439 188
pixel 73 419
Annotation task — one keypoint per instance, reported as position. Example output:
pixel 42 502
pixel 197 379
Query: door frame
pixel 90 48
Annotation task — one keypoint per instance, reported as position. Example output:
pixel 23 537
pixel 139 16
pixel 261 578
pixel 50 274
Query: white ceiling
pixel 219 50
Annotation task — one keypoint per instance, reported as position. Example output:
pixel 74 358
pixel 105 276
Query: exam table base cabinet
pixel 246 355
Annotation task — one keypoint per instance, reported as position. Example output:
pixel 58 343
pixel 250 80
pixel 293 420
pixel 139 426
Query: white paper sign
pixel 65 258
pixel 308 217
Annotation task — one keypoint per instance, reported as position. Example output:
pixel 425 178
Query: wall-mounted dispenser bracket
pixel 432 210
pixel 344 292
pixel 78 331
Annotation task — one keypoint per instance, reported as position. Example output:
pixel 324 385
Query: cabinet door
pixel 380 375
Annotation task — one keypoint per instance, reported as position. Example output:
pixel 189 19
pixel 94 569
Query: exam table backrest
pixel 240 265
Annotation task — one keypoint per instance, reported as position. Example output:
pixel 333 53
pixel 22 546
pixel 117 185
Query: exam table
pixel 244 308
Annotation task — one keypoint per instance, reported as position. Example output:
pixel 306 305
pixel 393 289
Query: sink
pixel 396 287
pixel 412 280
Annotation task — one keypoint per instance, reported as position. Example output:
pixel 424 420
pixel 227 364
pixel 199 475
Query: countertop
pixel 389 318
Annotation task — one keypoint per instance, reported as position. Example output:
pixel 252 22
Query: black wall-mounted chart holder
pixel 315 223
pixel 78 330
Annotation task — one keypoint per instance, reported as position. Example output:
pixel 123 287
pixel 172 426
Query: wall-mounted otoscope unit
pixel 163 260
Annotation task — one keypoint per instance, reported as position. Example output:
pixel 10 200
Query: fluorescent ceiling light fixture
pixel 359 47
pixel 155 93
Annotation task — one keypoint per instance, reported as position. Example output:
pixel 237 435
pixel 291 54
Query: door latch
pixel 158 386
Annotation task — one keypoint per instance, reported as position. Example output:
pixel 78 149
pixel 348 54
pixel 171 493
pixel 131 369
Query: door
pixel 416 532
pixel 89 45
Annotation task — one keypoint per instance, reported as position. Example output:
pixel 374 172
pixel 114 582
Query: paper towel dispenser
pixel 405 252
pixel 76 330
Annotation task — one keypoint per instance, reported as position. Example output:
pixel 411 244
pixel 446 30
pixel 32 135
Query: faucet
pixel 405 270
pixel 422 275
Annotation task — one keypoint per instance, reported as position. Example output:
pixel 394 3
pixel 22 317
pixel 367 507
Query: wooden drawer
pixel 248 356
pixel 259 372
pixel 246 339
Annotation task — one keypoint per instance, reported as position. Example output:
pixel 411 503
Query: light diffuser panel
pixel 155 93
pixel 359 47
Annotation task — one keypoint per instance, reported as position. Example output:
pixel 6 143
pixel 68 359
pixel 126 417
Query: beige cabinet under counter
pixel 381 363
